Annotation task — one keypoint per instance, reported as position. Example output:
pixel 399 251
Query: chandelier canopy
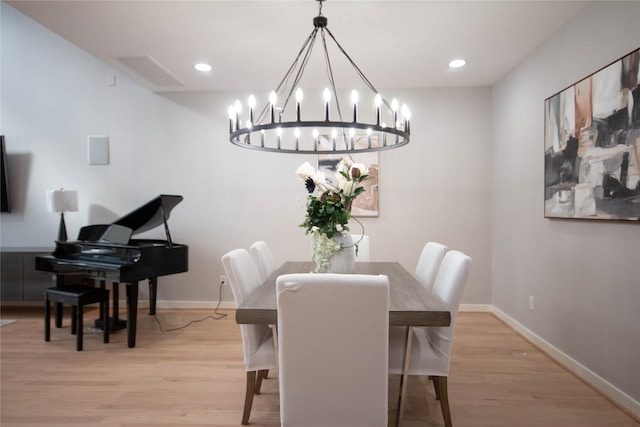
pixel 276 129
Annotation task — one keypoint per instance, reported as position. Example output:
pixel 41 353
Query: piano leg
pixel 58 280
pixel 116 303
pixel 153 287
pixel 115 323
pixel 132 313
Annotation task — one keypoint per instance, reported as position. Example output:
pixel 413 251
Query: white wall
pixel 54 95
pixel 584 276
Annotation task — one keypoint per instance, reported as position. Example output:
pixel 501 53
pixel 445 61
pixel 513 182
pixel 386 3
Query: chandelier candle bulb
pixel 352 133
pixel 237 107
pixel 252 105
pixel 279 134
pixel 327 97
pixel 406 115
pixel 247 140
pixel 394 108
pixel 378 102
pixel 354 99
pixel 232 114
pixel 299 96
pixel 315 139
pixel 384 135
pixel 334 133
pixel 296 132
pixel 262 138
pixel 369 137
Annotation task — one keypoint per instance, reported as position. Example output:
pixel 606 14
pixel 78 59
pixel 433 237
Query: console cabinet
pixel 19 279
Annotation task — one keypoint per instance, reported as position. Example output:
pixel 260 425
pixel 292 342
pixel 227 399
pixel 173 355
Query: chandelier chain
pixel 285 78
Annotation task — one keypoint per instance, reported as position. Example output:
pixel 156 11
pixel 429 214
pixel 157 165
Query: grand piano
pixel 106 252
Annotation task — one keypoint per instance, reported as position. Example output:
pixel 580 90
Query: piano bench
pixel 77 296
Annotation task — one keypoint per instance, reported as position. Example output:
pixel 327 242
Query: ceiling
pixel 251 44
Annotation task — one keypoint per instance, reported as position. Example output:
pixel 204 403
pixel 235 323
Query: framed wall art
pixel 366 204
pixel 592 146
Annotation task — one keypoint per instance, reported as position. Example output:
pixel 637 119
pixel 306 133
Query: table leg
pixel 132 313
pixel 405 376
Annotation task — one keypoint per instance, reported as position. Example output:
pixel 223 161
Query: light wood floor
pixel 195 377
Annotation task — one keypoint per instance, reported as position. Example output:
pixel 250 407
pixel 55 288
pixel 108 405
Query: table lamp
pixel 61 201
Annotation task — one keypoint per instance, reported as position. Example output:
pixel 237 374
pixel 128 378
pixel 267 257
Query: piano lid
pixel 105 233
pixel 151 215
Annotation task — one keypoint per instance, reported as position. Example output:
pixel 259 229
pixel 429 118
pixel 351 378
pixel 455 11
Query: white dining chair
pixel 431 346
pixel 257 340
pixel 429 263
pixel 333 349
pixel 362 240
pixel 261 254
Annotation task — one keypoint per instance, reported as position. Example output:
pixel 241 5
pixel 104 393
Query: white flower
pixel 348 187
pixel 362 168
pixel 343 166
pixel 306 171
pixel 319 178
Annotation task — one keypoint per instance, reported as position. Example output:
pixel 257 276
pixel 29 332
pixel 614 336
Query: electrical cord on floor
pixel 216 316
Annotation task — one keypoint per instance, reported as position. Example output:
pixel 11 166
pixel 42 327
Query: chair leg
pixel 441 389
pixel 47 318
pixel 74 320
pixel 79 315
pixel 261 375
pixel 435 386
pixel 248 398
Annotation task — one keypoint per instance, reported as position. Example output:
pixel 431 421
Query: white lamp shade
pixel 62 200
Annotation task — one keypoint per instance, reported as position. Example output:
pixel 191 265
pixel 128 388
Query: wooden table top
pixel 409 303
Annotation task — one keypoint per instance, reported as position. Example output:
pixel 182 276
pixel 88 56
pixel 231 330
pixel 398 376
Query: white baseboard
pixel 484 308
pixel 613 393
pixel 225 305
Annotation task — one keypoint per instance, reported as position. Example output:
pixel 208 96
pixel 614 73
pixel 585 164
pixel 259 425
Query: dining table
pixel 410 304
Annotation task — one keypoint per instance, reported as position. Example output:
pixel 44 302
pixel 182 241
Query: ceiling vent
pixel 150 69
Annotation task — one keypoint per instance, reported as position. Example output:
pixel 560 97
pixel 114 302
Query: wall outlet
pixel 223 280
pixel 531 303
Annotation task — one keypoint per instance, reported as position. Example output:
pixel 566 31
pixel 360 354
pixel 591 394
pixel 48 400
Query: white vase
pixel 344 259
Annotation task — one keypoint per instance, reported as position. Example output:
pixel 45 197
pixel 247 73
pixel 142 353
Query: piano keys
pixel 106 252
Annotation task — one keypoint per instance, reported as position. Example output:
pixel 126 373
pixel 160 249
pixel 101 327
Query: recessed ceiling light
pixel 457 63
pixel 202 67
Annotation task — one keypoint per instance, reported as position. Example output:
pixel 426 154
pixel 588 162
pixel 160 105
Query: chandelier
pixel 277 129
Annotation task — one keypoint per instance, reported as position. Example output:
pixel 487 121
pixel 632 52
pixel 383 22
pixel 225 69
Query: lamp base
pixel 62 230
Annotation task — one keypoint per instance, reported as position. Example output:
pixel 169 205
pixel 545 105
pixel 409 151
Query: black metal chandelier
pixel 277 130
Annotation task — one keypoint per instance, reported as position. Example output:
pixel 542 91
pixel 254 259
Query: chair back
pixel 429 263
pixel 243 278
pixel 263 258
pixel 333 349
pixel 362 240
pixel 449 284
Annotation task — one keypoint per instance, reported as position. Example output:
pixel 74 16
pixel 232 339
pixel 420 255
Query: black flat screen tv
pixel 6 195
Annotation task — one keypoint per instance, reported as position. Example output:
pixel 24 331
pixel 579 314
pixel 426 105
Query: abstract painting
pixel 592 146
pixel 366 204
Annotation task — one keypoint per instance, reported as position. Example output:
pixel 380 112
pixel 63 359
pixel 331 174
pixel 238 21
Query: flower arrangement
pixel 329 206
